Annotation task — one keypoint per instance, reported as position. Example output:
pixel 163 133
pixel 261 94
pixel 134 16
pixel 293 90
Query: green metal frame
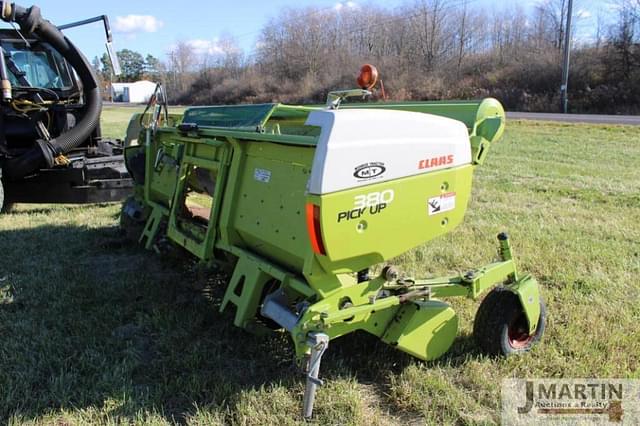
pixel 375 314
pixel 259 230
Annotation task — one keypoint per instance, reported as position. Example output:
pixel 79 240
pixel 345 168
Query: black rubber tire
pixel 1 197
pixel 136 167
pixel 5 205
pixel 500 324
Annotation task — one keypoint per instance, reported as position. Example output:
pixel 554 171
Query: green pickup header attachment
pixel 299 202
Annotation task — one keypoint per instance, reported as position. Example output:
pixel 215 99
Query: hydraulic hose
pixel 44 152
pixel 5 83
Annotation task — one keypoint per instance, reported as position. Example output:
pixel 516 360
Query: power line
pixel 567 55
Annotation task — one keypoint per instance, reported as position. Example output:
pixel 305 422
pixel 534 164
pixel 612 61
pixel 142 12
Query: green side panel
pixel 269 212
pixel 425 330
pixel 211 158
pixel 395 217
pixel 166 155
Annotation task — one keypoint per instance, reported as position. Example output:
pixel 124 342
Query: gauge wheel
pixel 501 327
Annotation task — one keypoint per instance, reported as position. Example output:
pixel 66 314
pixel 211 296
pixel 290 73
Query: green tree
pixel 106 69
pixel 132 65
pixel 152 67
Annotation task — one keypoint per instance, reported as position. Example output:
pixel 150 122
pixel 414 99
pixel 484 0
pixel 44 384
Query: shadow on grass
pixel 34 209
pixel 87 322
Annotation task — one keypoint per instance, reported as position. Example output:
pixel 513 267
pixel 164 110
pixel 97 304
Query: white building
pixel 138 92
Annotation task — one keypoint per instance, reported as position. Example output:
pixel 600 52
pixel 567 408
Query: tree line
pixel 424 50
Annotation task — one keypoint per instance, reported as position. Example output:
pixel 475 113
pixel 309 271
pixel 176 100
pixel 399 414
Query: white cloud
pixel 138 23
pixel 203 47
pixel 613 6
pixel 583 14
pixel 345 5
pixel 206 47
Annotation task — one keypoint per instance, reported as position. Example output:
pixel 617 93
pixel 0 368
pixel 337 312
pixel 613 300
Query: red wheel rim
pixel 518 334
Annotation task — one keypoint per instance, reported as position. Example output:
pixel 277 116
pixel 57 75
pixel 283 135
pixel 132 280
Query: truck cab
pixel 51 146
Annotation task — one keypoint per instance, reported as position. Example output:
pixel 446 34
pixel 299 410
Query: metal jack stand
pixel 318 343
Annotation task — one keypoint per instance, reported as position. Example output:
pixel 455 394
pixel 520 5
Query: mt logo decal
pixel 429 163
pixel 368 171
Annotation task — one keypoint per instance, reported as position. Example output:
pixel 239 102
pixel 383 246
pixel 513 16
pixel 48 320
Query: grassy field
pixel 115 119
pixel 93 330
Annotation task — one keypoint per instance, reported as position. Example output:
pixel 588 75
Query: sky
pixel 154 26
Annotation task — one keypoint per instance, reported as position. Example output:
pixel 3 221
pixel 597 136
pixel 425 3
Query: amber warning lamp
pixel 368 79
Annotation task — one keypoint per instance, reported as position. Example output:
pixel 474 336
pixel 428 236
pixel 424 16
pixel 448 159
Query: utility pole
pixel 564 89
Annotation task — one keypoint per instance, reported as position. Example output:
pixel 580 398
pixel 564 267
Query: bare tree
pixel 623 37
pixel 551 18
pixel 463 36
pixel 424 49
pixel 182 63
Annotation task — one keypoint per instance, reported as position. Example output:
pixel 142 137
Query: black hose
pixel 44 152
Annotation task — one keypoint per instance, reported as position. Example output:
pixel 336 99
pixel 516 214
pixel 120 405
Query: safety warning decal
pixel 262 175
pixel 442 203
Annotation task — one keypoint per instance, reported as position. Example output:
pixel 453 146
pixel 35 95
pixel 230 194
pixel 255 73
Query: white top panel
pixel 359 147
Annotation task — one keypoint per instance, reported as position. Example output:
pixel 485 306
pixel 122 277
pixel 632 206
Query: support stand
pixel 318 343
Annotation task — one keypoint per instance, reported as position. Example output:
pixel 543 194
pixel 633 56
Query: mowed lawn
pixel 93 330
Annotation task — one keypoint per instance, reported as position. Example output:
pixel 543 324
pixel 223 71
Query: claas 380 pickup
pixel 301 202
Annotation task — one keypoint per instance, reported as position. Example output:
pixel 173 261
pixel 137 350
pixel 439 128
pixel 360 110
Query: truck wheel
pixel 500 327
pixel 136 166
pixel 5 205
